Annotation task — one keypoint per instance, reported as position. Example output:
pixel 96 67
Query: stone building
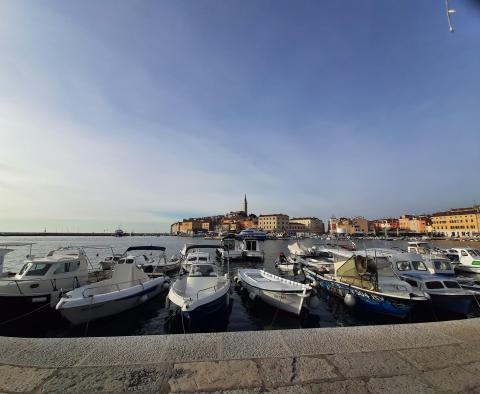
pixel 275 222
pixel 459 222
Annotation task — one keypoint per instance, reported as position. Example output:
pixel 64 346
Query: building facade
pixel 413 224
pixel 459 222
pixel 275 222
pixel 357 225
pixel 295 228
pixel 312 224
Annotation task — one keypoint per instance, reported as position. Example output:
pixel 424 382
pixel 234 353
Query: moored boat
pixel 201 290
pixel 367 282
pixel 274 290
pixel 129 287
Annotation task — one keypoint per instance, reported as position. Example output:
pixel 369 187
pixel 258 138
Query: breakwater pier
pixel 416 358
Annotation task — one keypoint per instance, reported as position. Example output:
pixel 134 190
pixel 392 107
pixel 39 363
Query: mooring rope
pixel 24 315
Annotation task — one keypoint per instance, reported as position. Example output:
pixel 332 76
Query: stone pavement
pixel 416 358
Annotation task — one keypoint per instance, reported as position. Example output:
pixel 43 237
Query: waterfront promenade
pixel 419 358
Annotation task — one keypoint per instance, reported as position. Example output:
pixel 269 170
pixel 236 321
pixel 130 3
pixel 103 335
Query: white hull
pixel 468 268
pixel 87 309
pixel 274 290
pixel 288 302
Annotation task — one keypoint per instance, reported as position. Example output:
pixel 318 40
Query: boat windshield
pixel 384 267
pixel 443 265
pixel 409 266
pixel 37 269
pixel 202 270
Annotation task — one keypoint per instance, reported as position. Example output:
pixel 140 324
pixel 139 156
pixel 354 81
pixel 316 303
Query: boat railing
pixel 214 287
pixel 283 280
pixel 114 285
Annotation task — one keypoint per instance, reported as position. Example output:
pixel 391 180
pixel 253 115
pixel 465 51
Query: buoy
pixel 313 301
pixel 349 300
pixel 252 296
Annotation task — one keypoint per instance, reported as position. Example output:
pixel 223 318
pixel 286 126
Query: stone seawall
pixel 419 358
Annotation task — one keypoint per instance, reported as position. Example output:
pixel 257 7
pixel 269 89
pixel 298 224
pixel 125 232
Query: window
pixel 419 266
pixel 442 265
pixel 464 253
pixel 451 285
pixel 69 266
pixel 434 285
pixel 38 269
pixel 404 266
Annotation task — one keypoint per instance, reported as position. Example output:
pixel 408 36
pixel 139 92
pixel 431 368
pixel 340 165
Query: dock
pixel 424 357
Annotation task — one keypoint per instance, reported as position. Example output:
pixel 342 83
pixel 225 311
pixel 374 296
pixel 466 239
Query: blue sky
pixel 141 113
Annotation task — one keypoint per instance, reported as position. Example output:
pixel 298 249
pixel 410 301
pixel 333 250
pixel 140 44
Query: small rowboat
pixel 274 290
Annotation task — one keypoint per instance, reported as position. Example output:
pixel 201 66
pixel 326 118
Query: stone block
pixel 371 364
pixel 53 352
pixel 145 379
pixel 127 350
pixel 10 346
pixel 193 347
pixel 338 387
pixel 403 384
pixel 277 372
pixel 439 356
pixel 22 379
pixel 257 344
pixel 214 375
pixel 311 369
pixel 453 379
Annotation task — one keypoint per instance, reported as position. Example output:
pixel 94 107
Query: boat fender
pixel 166 285
pixel 349 300
pixel 144 298
pixel 235 279
pixel 167 303
pixel 252 296
pixel 313 301
pixel 315 283
pixel 228 299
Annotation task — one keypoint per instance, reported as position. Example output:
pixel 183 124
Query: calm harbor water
pixel 153 318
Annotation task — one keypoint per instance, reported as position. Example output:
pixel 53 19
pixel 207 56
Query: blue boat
pixel 368 283
pixel 253 233
pixel 446 293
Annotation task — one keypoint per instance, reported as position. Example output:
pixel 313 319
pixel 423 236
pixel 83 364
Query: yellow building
pixel 190 226
pixel 312 225
pixel 459 222
pixel 274 222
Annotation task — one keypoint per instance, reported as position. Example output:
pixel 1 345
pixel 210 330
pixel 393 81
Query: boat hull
pixel 219 305
pixel 289 302
pixel 98 310
pixel 13 307
pixel 468 268
pixel 365 300
pixel 456 304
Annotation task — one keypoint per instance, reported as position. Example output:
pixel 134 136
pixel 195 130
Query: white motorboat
pixel 41 282
pixel 202 290
pixel 129 287
pixel 155 264
pixel 281 293
pixel 236 247
pixel 465 259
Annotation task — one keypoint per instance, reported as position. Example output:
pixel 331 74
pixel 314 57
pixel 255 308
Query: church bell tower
pixel 245 205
